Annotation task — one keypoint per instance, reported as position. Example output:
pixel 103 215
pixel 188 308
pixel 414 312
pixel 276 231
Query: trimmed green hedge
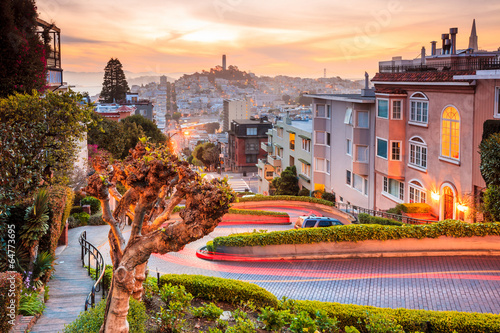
pixel 410 320
pixel 356 233
pixel 287 198
pixel 91 321
pixel 368 219
pixel 219 289
pixel 421 208
pixel 108 275
pixel 255 212
pixel 10 292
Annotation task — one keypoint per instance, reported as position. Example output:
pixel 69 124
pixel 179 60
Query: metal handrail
pixel 100 267
pixel 355 210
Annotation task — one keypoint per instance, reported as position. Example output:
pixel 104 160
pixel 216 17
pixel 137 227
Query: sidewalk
pixel 70 283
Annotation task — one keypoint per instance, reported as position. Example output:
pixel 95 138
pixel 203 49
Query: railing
pixel 355 210
pixel 461 64
pixel 87 250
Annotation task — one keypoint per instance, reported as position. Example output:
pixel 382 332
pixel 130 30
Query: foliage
pixel 149 128
pixel 255 212
pixel 10 292
pixel 36 219
pixel 382 323
pixel 108 275
pixel 412 208
pixel 211 128
pixel 60 201
pixel 304 192
pixel 68 205
pixel 23 53
pixel 328 197
pixel 91 321
pixel 242 326
pixel 11 222
pixel 177 301
pixel 491 199
pixel 286 198
pixel 317 193
pixel 364 218
pixel 209 311
pixel 302 322
pixel 76 209
pixel 94 203
pixel 489 149
pixel 176 116
pixel 83 218
pixel 490 126
pixel 96 219
pixel 42 268
pixel 114 86
pixel 207 153
pixel 357 233
pixel 274 320
pixel 325 323
pixel 107 135
pixel 40 135
pixel 218 289
pixel 30 303
pixel 287 183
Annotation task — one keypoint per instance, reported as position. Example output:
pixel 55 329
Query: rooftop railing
pixel 452 65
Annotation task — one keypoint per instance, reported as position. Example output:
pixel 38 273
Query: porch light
pixel 435 195
pixel 462 208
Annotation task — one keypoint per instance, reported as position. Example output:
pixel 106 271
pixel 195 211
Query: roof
pixel 355 98
pixel 429 76
pixel 250 122
pixel 125 108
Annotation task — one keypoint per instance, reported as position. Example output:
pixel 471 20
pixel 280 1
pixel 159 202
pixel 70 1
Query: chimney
pixel 422 56
pixel 433 50
pixel 444 38
pixel 453 33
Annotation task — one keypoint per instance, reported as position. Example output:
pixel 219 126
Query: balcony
pixel 361 136
pixel 266 146
pixel 275 161
pixel 360 168
pixel 452 64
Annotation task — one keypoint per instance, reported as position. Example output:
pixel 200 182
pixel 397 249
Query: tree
pixel 286 98
pixel 176 116
pixel 288 183
pixel 107 135
pixel 114 86
pixel 207 153
pixel 489 149
pixel 23 54
pixel 156 181
pixel 149 128
pixel 40 136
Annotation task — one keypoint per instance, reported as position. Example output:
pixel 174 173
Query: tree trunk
pixel 140 276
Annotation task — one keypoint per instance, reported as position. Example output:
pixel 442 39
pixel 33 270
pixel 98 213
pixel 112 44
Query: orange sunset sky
pixel 272 37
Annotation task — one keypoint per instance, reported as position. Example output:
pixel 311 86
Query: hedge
pixel 108 275
pixel 287 198
pixel 368 219
pixel 356 233
pixel 421 208
pixel 91 321
pixel 410 320
pixel 219 289
pixel 95 204
pixel 10 291
pixel 255 212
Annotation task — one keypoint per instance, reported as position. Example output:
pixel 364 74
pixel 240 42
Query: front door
pixel 448 203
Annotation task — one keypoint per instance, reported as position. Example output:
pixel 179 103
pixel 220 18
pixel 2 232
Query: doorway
pixel 448 203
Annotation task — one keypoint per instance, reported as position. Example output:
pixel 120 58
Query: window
pixel 382 148
pixel 418 153
pixel 419 107
pixel 327 138
pixel 251 146
pixel 366 186
pixel 417 192
pixel 280 132
pixel 348 147
pixel 363 119
pixel 396 150
pixel 251 130
pixel 327 166
pixel 251 158
pixel 306 169
pixel 306 145
pixel 320 137
pixel 348 177
pixel 382 108
pixel 348 116
pixel 328 111
pixel 320 110
pixel 362 154
pixel 278 151
pixel 357 182
pixel 450 133
pixel 292 141
pixel 322 165
pixel 394 188
pixel 269 174
pixel 396 109
pixel 497 102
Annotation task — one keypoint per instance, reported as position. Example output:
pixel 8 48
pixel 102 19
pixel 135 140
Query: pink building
pixel 429 123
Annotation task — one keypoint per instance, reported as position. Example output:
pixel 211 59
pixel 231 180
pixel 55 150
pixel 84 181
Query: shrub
pixel 368 219
pixel 304 192
pixel 273 319
pixel 302 322
pixel 108 275
pixel 209 311
pixel 30 303
pixel 73 223
pixel 219 289
pixel 328 197
pixel 82 217
pixel 317 194
pixel 255 212
pixel 96 219
pixel 286 198
pixel 76 209
pixel 491 199
pixel 79 195
pixel 177 302
pixel 356 233
pixel 10 291
pixel 91 321
pixel 422 208
pixel 95 204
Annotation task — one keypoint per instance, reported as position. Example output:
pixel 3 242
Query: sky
pixel 266 37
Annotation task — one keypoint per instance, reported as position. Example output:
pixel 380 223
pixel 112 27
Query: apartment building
pixel 289 143
pixel 234 109
pixel 429 124
pixel 343 145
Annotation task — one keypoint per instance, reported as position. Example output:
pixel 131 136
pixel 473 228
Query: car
pixel 313 221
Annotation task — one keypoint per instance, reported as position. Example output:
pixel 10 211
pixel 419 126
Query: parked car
pixel 313 221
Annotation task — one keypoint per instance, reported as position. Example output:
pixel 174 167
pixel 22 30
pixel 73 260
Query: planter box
pixel 488 245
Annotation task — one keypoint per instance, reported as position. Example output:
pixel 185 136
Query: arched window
pixel 418 153
pixel 418 193
pixel 419 109
pixel 450 133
